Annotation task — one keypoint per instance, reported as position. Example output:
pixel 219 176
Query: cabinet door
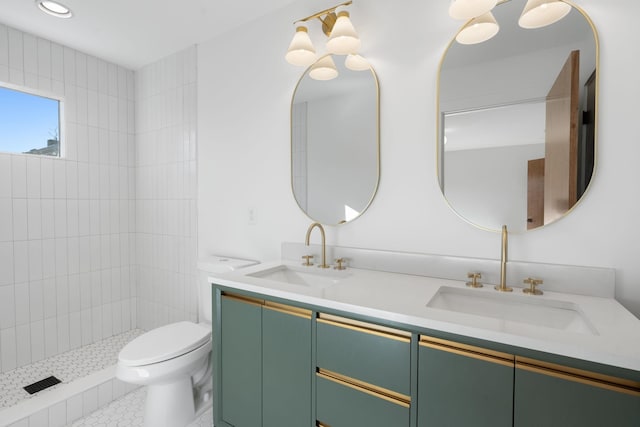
pixel 551 398
pixel 341 404
pixel 461 385
pixel 241 354
pixel 286 366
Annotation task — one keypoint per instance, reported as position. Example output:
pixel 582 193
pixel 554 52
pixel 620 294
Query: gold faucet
pixel 306 242
pixel 503 264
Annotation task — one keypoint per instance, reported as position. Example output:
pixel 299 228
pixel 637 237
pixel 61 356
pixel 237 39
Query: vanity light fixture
pixel 324 69
pixel 540 13
pixel 467 9
pixel 356 62
pixel 54 8
pixel 478 30
pixel 301 51
pixel 342 40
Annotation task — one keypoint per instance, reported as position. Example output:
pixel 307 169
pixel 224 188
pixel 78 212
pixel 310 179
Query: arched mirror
pixel 517 119
pixel 335 154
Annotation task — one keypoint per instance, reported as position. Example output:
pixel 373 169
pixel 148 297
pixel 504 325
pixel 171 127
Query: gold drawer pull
pixel 361 386
pixel 364 327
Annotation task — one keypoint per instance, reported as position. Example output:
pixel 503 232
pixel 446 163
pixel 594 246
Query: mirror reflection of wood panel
pixel 535 193
pixel 561 141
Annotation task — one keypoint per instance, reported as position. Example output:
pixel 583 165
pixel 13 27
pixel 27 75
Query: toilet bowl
pixel 167 361
pixel 174 360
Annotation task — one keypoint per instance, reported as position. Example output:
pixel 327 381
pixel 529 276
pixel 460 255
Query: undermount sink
pixel 517 309
pixel 312 276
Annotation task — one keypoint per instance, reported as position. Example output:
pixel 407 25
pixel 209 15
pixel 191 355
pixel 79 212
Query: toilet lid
pixel 164 343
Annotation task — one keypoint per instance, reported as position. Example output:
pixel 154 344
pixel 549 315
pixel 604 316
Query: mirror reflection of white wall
pixel 485 172
pixel 340 158
pixel 299 152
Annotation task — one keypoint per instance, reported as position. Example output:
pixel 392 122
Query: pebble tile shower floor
pixel 66 367
pixel 128 411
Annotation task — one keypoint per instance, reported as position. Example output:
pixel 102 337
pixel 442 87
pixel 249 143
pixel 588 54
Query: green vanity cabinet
pixel 279 365
pixel 556 396
pixel 363 374
pixel 462 385
pixel 265 364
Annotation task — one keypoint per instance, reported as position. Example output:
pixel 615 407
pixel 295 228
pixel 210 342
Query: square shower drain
pixel 42 384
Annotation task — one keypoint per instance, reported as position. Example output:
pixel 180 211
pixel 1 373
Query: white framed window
pixel 30 121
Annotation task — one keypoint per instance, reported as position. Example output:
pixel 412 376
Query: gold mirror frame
pixel 440 140
pixel 331 196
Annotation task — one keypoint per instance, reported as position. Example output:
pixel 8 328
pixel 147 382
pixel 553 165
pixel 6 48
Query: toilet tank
pixel 210 265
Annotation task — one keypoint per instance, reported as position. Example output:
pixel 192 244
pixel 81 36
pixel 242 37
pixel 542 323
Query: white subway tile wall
pixel 166 190
pixel 67 225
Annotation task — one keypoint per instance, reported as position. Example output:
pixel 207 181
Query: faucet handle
pixel 340 261
pixel 307 262
pixel 474 276
pixel 532 282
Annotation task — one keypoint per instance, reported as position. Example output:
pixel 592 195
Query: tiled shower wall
pixel 67 241
pixel 166 105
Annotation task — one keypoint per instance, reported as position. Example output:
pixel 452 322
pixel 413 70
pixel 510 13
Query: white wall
pixel 165 190
pixel 66 224
pixel 244 92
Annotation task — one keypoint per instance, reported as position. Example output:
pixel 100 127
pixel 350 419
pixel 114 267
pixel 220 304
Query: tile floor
pixel 66 367
pixel 128 411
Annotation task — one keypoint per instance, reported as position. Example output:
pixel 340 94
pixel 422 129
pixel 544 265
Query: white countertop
pixel 403 298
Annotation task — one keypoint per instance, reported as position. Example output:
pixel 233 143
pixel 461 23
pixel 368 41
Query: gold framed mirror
pixel 517 121
pixel 335 143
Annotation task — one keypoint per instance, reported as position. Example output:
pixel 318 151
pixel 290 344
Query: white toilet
pixel 174 361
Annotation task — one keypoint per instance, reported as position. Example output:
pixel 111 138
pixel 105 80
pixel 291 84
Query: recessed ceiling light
pixel 54 8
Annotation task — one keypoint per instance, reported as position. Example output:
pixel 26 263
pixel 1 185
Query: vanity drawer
pixel 367 352
pixel 343 404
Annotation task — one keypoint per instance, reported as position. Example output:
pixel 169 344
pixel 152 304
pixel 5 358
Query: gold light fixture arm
pixel 324 12
pixel 327 17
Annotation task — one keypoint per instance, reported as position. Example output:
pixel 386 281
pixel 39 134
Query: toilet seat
pixel 164 343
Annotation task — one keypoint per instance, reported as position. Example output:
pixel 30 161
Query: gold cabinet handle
pixel 583 377
pixel 271 305
pixel 287 309
pixel 466 350
pixel 361 386
pixel 364 327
